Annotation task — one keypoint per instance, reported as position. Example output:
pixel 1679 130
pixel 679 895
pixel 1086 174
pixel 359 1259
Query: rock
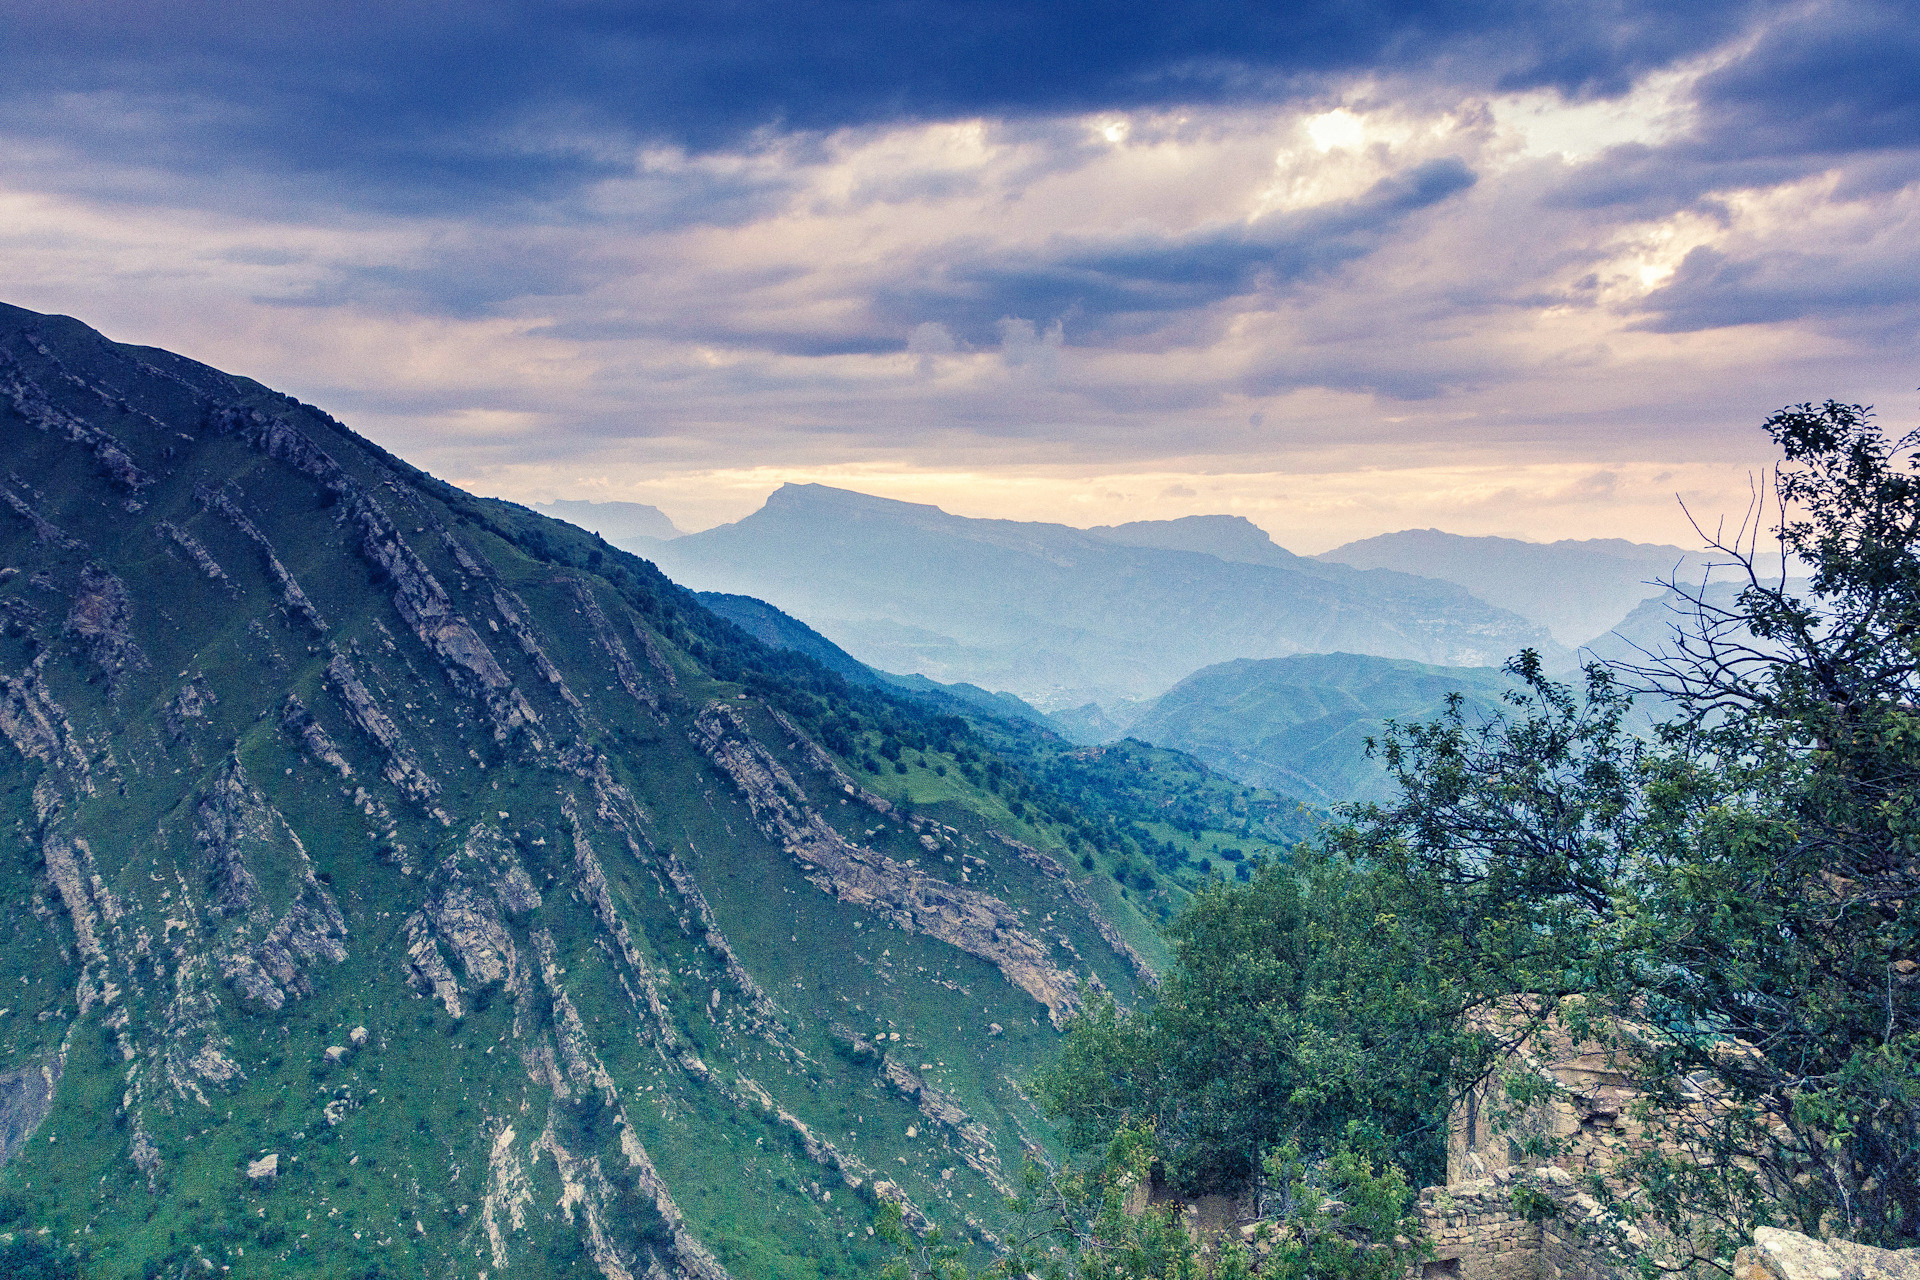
pixel 100 617
pixel 1787 1255
pixel 905 895
pixel 995 1029
pixel 358 1037
pixel 265 1169
pixel 335 1054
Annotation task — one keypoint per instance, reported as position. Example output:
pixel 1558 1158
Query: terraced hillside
pixel 406 884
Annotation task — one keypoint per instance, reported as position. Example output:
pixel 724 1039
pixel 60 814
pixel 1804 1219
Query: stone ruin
pixel 1550 1151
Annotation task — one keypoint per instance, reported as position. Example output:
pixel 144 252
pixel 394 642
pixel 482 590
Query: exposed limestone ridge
pixel 71 880
pixel 275 968
pixel 584 1187
pixel 817 757
pixel 691 1258
pixel 503 1210
pixel 31 403
pixel 230 817
pixel 608 642
pixel 942 1108
pixel 317 742
pixel 202 559
pixel 910 898
pixel 418 596
pixel 43 529
pixel 1052 869
pixel 513 611
pixel 193 1052
pixel 400 768
pixel 232 821
pixel 615 806
pixel 656 656
pixel 583 1066
pixel 37 727
pixel 591 881
pixel 100 616
pixel 291 596
pixel 852 1170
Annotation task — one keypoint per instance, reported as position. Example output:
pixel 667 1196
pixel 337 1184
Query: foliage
pixel 1342 1217
pixel 1729 903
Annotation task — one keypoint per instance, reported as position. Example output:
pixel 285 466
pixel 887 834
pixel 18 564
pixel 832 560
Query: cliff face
pixel 400 891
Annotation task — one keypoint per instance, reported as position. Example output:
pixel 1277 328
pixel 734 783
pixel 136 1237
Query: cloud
pixel 1118 282
pixel 425 105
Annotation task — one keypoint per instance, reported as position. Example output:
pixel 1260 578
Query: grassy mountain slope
pixel 1300 724
pixel 407 884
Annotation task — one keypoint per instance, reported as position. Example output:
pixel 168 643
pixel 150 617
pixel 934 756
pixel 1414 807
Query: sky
pixel 1343 266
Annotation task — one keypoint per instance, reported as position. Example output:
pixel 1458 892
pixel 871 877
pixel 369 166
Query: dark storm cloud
pixel 448 105
pixel 1830 81
pixel 1712 290
pixel 1112 285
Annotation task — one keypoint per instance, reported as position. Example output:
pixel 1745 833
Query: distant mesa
pixel 620 523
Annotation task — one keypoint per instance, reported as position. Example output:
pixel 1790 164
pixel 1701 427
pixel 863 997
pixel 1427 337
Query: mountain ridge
pixel 411 883
pixel 1061 616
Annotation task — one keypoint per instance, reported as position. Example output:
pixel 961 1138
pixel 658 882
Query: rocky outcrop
pixel 275 968
pixel 31 403
pixel 1787 1255
pixel 34 723
pixel 264 959
pixel 26 1097
pixel 101 618
pixel 908 897
pixel 418 596
pixel 817 757
pixel 513 611
pixel 43 529
pixel 1052 870
pixel 608 642
pixel 400 768
pixel 470 895
pixel 292 598
pixel 315 740
pixel 199 555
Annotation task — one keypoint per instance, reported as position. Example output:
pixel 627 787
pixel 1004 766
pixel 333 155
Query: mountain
pixel 409 884
pixel 778 631
pixel 1300 724
pixel 1575 589
pixel 624 524
pixel 1062 616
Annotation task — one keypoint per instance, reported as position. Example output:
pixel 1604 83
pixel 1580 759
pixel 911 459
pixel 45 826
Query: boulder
pixel 335 1054
pixel 1787 1255
pixel 265 1169
pixel 358 1037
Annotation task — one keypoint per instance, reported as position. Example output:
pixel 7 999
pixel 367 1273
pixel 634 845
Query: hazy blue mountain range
pixel 1300 723
pixel 408 884
pixel 628 525
pixel 1575 589
pixel 1063 616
